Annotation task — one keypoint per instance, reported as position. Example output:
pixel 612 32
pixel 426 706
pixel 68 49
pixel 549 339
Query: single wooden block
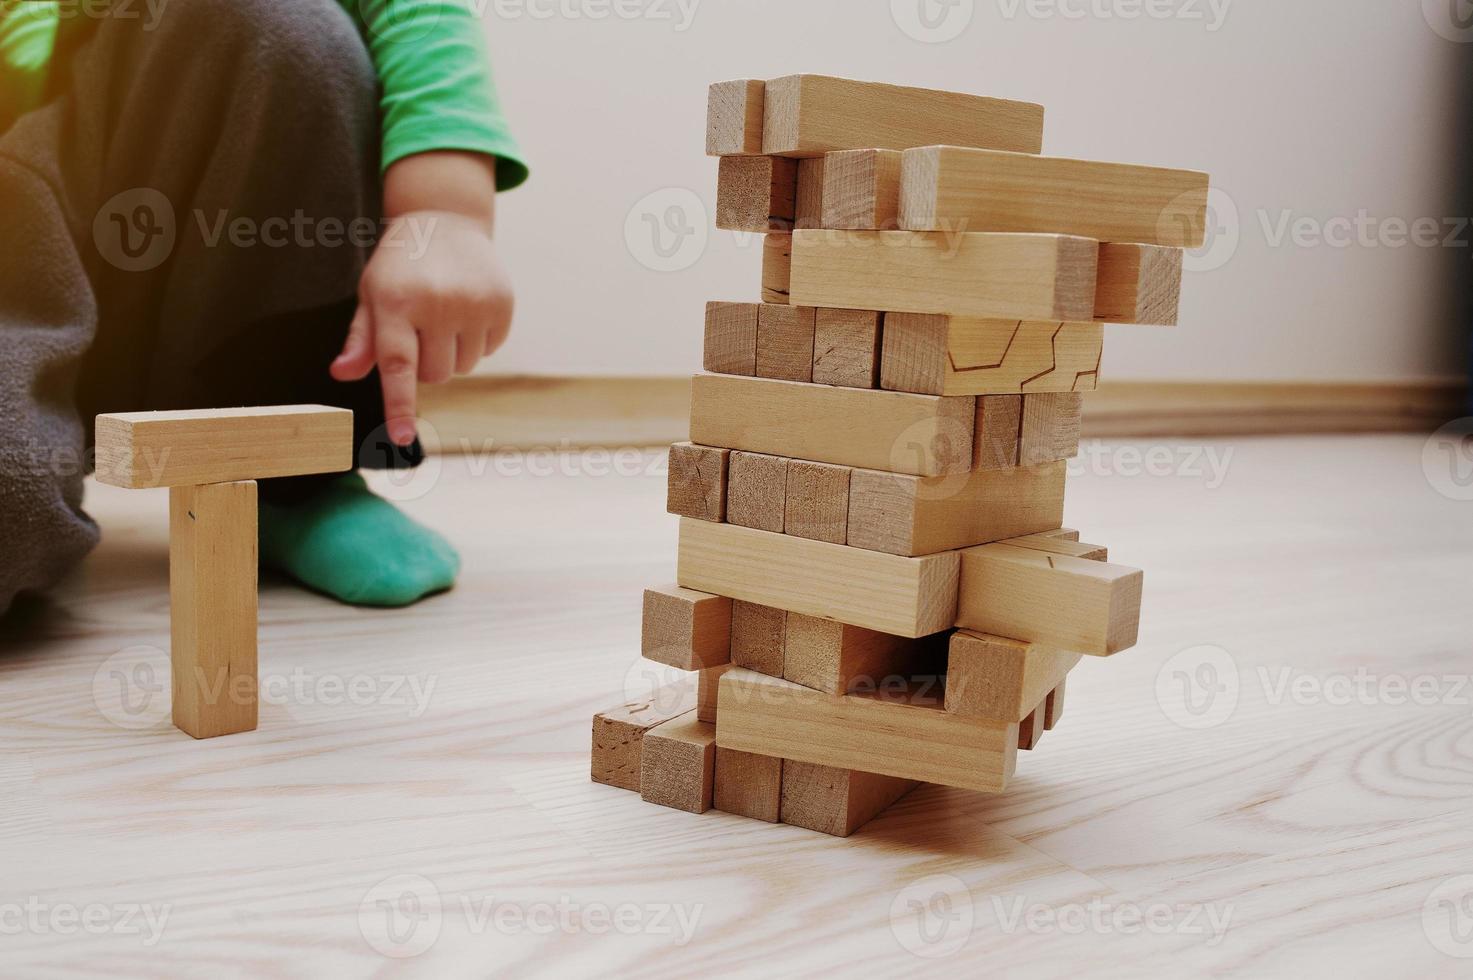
pixel 942 355
pixel 1050 428
pixel 861 190
pixel 212 608
pixel 708 682
pixel 697 482
pixel 901 732
pixel 977 274
pixel 1056 545
pixel 1089 607
pixel 1138 284
pixel 685 629
pixel 846 348
pixel 785 342
pixel 947 187
pixel 756 194
pixel 880 430
pixel 777 268
pixel 809 210
pixel 756 491
pixel 906 515
pixel 818 501
pixel 810 115
pixel 904 596
pixel 758 637
pixel 748 785
pixel 144 450
pixel 734 113
pixel 731 338
pixel 1030 730
pixel 678 763
pixel 999 432
pixel 618 734
pixel 833 801
pixel 1054 706
pixel 826 656
pixel 994 677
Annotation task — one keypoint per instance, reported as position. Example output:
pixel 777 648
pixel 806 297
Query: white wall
pixel 1310 108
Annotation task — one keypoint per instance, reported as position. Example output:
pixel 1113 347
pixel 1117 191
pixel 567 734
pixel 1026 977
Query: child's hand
pixel 434 299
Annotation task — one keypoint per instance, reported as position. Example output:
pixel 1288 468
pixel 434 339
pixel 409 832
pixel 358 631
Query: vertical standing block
pixel 758 637
pixel 731 338
pixel 785 342
pixel 756 194
pixel 677 764
pixel 748 785
pixel 618 734
pixel 861 190
pixel 1050 429
pixel 734 112
pixel 756 491
pixel 836 802
pixel 212 591
pixel 809 210
pixel 817 504
pixel 1054 706
pixel 999 430
pixel 1139 284
pixel 1030 730
pixel 810 115
pixel 697 482
pixel 685 629
pixel 846 348
pixel 777 268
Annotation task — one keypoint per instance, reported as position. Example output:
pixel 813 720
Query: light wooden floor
pixel 1321 831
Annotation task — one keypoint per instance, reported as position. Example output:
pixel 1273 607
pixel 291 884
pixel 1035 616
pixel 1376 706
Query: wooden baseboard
pixel 486 413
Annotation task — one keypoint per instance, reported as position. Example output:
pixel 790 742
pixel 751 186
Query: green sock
pixel 356 547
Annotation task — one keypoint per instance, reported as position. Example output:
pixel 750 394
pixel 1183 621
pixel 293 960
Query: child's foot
pixel 356 547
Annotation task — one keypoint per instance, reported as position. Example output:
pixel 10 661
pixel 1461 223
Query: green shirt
pixel 430 55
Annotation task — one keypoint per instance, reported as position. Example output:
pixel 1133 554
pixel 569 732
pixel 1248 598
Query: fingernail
pixel 402 432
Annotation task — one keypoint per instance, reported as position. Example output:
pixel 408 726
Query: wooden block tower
pixel 873 578
pixel 210 460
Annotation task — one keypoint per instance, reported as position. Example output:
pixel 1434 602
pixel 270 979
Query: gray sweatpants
pixel 182 225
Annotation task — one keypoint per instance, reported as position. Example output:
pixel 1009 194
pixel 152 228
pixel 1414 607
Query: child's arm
pixel 434 299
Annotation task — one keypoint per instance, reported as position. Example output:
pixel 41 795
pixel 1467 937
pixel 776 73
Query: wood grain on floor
pixel 1277 781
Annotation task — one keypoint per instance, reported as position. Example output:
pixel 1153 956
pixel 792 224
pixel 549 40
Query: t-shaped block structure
pixel 210 460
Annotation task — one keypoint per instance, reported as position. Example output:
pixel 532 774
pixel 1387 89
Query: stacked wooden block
pixel 875 589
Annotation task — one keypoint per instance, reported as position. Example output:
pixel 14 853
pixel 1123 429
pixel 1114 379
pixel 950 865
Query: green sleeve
pixel 435 74
pixel 27 36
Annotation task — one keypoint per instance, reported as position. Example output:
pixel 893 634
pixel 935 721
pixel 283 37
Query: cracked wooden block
pixel 618 734
pixel 947 355
pixel 697 480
